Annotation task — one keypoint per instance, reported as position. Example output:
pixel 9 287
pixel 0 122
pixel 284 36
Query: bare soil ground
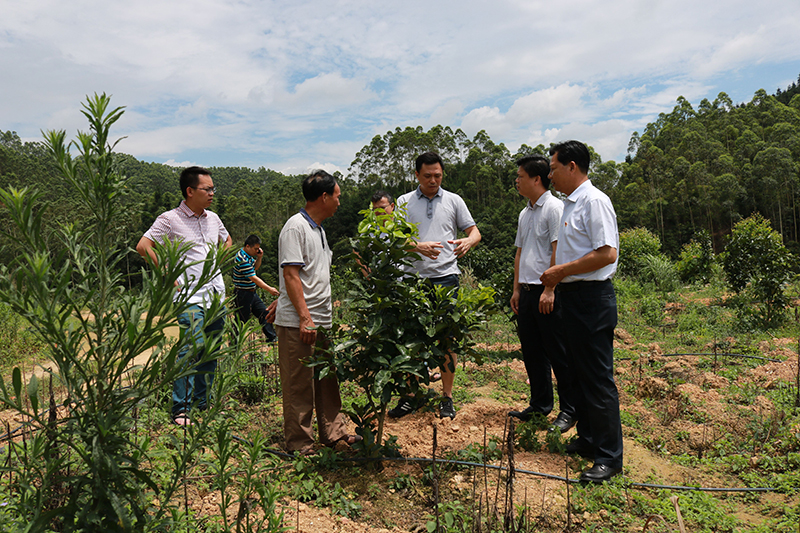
pixel 671 406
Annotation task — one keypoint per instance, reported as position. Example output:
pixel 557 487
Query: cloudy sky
pixel 294 85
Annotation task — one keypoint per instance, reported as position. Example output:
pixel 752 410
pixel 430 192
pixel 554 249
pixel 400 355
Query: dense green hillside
pixel 690 170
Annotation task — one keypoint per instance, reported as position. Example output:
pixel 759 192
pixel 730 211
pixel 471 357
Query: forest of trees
pixel 693 169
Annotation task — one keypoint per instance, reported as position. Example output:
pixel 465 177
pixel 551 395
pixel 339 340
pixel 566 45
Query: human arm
pixel 228 242
pixel 259 257
pixel 145 247
pixel 261 284
pixel 294 290
pixel 594 260
pixel 548 298
pixel 463 245
pixel 515 295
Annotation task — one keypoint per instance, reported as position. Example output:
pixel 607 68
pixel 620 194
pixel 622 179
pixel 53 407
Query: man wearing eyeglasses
pixel 193 224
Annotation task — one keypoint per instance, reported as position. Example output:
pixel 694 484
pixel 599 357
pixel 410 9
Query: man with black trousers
pixel 586 259
pixel 537 309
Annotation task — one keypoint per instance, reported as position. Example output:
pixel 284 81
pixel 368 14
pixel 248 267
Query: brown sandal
pixel 348 439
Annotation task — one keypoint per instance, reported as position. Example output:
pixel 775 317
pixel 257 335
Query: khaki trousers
pixel 302 394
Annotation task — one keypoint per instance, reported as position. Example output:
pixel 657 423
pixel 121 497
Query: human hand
pixel 272 311
pixel 552 276
pixel 308 331
pixel 462 246
pixel 430 249
pixel 515 302
pixel 547 300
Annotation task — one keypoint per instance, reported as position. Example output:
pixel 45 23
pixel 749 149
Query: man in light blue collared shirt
pixel 439 215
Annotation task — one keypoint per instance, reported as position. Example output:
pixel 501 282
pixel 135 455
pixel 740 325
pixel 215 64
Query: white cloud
pixel 325 92
pixel 281 84
pixel 179 164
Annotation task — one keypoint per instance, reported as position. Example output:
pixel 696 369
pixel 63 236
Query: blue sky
pixel 292 86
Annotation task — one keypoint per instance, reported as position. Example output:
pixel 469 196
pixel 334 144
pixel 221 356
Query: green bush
pixel 91 471
pixel 250 389
pixel 697 259
pixel 634 245
pixel 659 271
pixel 758 267
pixel 651 310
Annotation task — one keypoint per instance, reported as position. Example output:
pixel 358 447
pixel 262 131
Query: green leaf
pixel 381 379
pixel 33 392
pixel 16 381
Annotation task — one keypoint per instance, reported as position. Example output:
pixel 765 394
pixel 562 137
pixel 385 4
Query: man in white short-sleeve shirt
pixel 439 216
pixel 586 259
pixel 537 309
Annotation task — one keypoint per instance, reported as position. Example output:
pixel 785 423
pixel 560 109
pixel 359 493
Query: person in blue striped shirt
pixel 245 281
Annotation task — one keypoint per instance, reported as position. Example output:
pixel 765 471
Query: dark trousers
pixel 543 351
pixel 249 304
pixel 589 316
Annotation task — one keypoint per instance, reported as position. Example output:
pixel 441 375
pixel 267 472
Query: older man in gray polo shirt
pixel 304 259
pixel 439 215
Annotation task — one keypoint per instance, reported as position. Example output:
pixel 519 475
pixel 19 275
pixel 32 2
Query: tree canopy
pixel 697 168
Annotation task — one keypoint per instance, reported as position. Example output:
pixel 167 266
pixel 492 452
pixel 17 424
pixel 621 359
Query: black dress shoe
pixel 599 473
pixel 563 423
pixel 524 415
pixel 580 447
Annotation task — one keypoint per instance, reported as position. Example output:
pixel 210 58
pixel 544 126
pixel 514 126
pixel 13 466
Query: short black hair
pixel 190 177
pixel 428 158
pixel 536 165
pixel 376 197
pixel 572 151
pixel 316 183
pixel 252 239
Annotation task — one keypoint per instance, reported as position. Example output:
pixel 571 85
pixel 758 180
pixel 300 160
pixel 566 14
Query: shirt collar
pixel 539 201
pixel 420 194
pixel 310 220
pixel 582 190
pixel 183 208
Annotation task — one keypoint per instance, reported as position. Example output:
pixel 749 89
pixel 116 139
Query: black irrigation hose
pixel 285 455
pixel 523 471
pixel 744 356
pixel 467 463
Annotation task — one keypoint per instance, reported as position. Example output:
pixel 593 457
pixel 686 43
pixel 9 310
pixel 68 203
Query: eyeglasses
pixel 209 190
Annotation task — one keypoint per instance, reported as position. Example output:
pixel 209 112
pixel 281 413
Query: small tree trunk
pixel 381 420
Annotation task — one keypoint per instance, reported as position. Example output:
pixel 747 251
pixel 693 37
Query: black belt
pixel 530 286
pixel 240 289
pixel 580 285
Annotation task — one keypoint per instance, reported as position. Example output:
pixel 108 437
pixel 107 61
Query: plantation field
pixel 690 421
pixel 710 421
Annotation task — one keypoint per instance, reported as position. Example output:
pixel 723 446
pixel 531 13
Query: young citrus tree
pixel 401 325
